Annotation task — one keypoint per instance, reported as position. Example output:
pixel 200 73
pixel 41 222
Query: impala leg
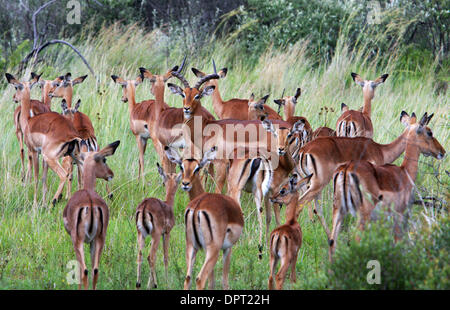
pixel 166 238
pixel 19 136
pixel 211 280
pixel 221 173
pixel 79 252
pixel 337 221
pixel 267 204
pixel 62 174
pixel 44 179
pixel 281 275
pixel 96 252
pixel 141 245
pixel 191 253
pixel 35 160
pixel 277 209
pixel 156 237
pixel 141 149
pixel 319 212
pixel 212 254
pixel 29 166
pixel 259 211
pixel 293 263
pixel 273 264
pixel 67 165
pixel 80 177
pixel 226 268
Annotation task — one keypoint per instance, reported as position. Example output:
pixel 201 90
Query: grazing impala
pixel 354 123
pixel 50 134
pixel 233 108
pixel 286 240
pixel 322 156
pixel 213 222
pixel 387 184
pixel 86 214
pixel 155 217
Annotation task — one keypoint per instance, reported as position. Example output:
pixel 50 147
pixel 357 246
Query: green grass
pixel 34 247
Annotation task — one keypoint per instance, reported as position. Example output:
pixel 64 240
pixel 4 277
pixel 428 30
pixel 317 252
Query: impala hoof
pixel 54 202
pixel 111 196
pixel 138 285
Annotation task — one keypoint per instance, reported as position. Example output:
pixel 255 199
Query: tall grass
pixel 34 247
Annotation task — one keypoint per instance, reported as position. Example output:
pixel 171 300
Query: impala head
pixel 256 110
pixel 156 80
pixel 288 100
pixel 170 180
pixel 191 95
pixel 49 86
pixel 128 86
pixel 213 82
pixel 96 161
pixel 287 138
pixel 69 112
pixel 367 85
pixel 289 191
pixel 63 87
pixel 22 88
pixel 421 135
pixel 190 167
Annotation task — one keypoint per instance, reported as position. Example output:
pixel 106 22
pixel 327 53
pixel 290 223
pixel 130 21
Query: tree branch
pixel 35 34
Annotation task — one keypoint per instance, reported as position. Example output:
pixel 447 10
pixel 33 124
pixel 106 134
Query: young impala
pixel 86 214
pixel 49 134
pixel 213 222
pixel 354 123
pixel 388 185
pixel 323 155
pixel 155 218
pixel 286 240
pixel 233 108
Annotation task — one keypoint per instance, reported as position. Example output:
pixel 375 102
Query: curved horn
pixel 214 66
pixel 205 79
pixel 179 76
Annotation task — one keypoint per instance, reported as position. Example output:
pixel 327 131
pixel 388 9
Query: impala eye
pixel 197 169
pixel 283 192
pixel 197 96
pixel 429 133
pixel 104 160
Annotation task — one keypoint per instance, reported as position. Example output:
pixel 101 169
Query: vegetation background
pixel 267 46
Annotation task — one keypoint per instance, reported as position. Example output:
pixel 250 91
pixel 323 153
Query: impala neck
pixel 131 95
pixel 289 110
pixel 411 160
pixel 291 207
pixel 393 150
pixel 46 99
pixel 25 106
pixel 88 178
pixel 170 193
pixel 159 99
pixel 68 98
pixel 217 100
pixel 197 188
pixel 367 107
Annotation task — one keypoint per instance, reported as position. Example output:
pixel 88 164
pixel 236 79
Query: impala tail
pixel 144 222
pixel 347 190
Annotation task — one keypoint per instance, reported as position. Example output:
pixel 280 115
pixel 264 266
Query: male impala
pixel 354 123
pixel 388 185
pixel 50 134
pixel 155 217
pixel 86 214
pixel 213 222
pixel 286 240
pixel 323 155
pixel 233 108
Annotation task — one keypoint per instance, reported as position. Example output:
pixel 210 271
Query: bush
pixel 421 263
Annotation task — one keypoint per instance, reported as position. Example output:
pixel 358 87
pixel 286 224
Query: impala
pixel 155 217
pixel 387 184
pixel 213 222
pixel 50 134
pixel 86 214
pixel 354 123
pixel 37 107
pixel 286 240
pixel 256 109
pixel 233 108
pixel 322 156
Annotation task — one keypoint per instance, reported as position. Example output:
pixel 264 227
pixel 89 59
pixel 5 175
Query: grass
pixel 34 247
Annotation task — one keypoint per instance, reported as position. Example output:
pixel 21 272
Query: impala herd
pixel 250 148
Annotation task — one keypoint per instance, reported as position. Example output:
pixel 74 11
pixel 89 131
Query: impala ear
pixel 172 155
pixel 118 80
pixel 380 80
pixel 404 118
pixel 68 76
pixel 297 94
pixel 264 99
pixel 79 80
pixel 106 151
pixel 77 105
pixel 267 125
pixel 222 73
pixel 12 80
pixel 252 97
pixel 344 107
pixel 424 119
pixel 64 106
pixel 358 80
pixel 198 73
pixel 208 156
pixel 175 89
pixel 298 126
pixel 293 180
pixel 162 173
pixel 138 81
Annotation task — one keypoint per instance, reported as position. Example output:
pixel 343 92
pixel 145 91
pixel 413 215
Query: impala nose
pixel 281 151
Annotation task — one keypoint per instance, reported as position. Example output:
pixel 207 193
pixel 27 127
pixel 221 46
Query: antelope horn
pixel 214 66
pixel 205 79
pixel 282 94
pixel 179 76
